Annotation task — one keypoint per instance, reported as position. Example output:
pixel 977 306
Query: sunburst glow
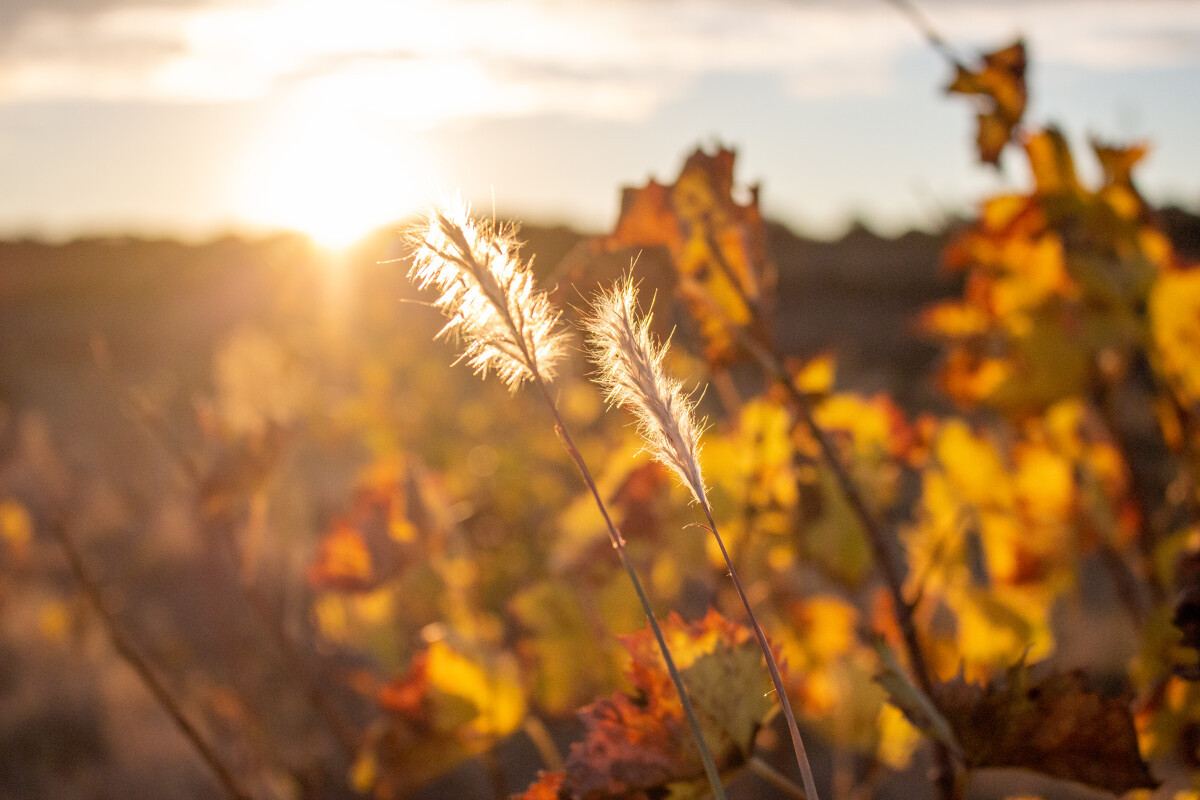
pixel 325 172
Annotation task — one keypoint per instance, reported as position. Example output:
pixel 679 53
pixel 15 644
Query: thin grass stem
pixel 776 778
pixel 631 370
pixel 810 785
pixel 618 542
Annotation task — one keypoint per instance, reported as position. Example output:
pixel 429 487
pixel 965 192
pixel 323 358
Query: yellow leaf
pixel 1175 324
pixel 364 772
pixel 16 526
pixel 954 320
pixel 1051 162
pixel 817 375
pixel 493 690
pixel 1045 484
pixel 972 465
pixel 898 739
pixel 828 626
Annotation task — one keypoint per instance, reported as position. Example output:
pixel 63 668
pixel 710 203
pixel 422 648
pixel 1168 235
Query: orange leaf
pixel 547 787
pixel 1000 85
pixel 373 541
pixel 717 247
pixel 343 562
pixel 408 696
pixel 638 742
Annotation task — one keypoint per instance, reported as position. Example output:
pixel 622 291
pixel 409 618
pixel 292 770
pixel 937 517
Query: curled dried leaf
pixel 1055 725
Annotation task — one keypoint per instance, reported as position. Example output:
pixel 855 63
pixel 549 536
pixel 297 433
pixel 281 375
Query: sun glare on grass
pixel 327 174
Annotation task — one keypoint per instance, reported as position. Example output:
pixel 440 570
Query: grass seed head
pixel 631 371
pixel 505 324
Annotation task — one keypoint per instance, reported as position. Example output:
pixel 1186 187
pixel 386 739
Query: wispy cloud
pixel 438 60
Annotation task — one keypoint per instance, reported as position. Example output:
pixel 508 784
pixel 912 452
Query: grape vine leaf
pixel 717 247
pixel 1000 86
pixel 548 786
pixel 343 561
pixel 1174 308
pixel 639 744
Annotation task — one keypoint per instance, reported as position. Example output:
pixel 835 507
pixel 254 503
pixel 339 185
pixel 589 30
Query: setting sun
pixel 327 174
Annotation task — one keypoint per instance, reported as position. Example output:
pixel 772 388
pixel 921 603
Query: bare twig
pixel 810 786
pixel 923 24
pixel 126 649
pixel 776 778
pixel 618 542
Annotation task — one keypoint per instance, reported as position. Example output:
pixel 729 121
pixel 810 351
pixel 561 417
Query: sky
pixel 195 118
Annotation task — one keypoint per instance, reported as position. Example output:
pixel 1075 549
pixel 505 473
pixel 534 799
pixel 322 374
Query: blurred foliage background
pixel 362 571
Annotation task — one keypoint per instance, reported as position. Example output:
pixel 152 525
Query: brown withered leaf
pixel 1000 86
pixel 631 743
pixel 1056 725
pixel 641 742
pixel 717 248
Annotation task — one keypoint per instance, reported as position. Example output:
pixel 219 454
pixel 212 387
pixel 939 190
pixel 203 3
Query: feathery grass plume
pixel 509 327
pixel 630 369
pixel 505 324
pixel 631 373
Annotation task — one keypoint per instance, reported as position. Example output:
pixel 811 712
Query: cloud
pixel 435 60
pixel 14 13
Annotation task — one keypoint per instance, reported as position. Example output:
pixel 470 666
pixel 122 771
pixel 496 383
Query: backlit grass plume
pixel 505 324
pixel 630 370
pixel 509 327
